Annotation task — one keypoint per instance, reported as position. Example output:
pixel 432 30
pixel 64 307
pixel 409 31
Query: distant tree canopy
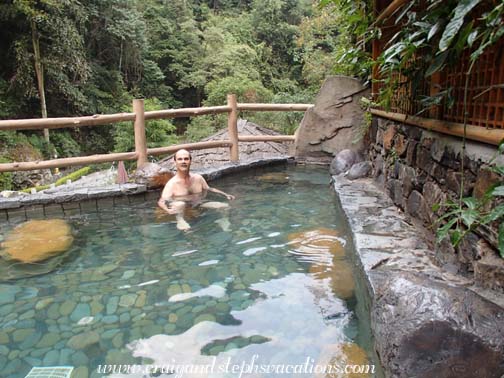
pixel 97 55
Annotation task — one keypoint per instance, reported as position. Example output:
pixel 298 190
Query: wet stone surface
pixel 427 322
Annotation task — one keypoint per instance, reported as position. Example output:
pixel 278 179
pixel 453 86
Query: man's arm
pixel 214 190
pixel 166 195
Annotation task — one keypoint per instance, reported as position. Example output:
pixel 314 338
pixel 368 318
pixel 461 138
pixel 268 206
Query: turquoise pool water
pixel 262 284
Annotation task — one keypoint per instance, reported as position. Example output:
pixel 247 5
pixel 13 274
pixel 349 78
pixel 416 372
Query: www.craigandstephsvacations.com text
pixel 237 369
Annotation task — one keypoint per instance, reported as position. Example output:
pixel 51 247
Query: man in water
pixel 184 187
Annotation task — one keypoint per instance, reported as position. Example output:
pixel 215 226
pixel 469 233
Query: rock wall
pixel 335 122
pixel 420 169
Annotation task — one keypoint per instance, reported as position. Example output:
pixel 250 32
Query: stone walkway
pixel 426 321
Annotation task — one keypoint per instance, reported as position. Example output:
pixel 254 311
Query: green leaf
pixel 455 237
pixel 498 191
pixel 456 22
pixel 472 37
pixel 499 169
pixel 501 146
pixel 470 202
pixel 496 213
pixel 443 231
pixel 463 36
pixel 436 207
pixel 469 217
pixel 436 64
pixel 433 31
pixel 501 240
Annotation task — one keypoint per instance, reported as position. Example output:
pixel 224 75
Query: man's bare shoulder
pixel 197 176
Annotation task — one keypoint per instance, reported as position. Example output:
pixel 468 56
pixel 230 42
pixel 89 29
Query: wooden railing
pixel 139 118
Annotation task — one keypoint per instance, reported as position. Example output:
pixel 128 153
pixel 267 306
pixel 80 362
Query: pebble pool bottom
pixel 262 284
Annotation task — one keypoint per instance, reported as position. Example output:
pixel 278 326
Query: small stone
pixel 48 340
pixel 125 317
pixel 51 358
pixel 67 307
pixel 204 317
pixel 81 372
pixel 127 300
pixel 81 310
pixel 128 274
pixel 96 307
pixel 172 318
pixel 13 354
pixel 83 340
pixel 118 341
pixel 109 334
pixel 65 356
pixel 110 319
pixel 21 334
pixel 80 358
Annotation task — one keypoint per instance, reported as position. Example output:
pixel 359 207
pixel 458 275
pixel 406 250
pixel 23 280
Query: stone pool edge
pixel 420 314
pixel 61 202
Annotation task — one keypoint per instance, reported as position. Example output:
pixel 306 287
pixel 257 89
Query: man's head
pixel 182 160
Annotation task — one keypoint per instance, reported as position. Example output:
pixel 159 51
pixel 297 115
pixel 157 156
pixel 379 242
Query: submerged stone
pixel 341 355
pixel 37 240
pixel 274 178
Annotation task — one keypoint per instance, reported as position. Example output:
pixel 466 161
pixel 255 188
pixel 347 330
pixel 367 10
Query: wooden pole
pixel 267 138
pixel 66 162
pixel 140 139
pixel 477 133
pixel 275 107
pixel 189 146
pixel 233 127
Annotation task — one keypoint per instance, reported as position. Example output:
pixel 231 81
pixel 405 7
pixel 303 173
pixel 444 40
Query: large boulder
pixel 152 175
pixel 335 122
pixel 343 161
pixel 37 240
pixel 425 328
pixel 360 170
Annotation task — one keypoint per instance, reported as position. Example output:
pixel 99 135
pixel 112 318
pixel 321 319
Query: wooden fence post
pixel 140 139
pixel 233 127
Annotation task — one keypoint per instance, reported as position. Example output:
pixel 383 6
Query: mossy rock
pixel 341 355
pixel 274 178
pixel 37 240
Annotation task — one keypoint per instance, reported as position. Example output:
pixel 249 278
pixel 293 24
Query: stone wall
pixel 420 169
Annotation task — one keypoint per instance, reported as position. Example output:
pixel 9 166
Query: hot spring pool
pixel 263 288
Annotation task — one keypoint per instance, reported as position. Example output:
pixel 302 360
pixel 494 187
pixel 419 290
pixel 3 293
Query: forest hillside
pixel 95 56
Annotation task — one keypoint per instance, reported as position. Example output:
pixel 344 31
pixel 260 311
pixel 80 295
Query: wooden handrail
pixel 274 107
pixel 266 138
pixel 138 118
pixel 58 123
pixel 477 133
pixel 186 112
pixel 188 146
pixel 67 162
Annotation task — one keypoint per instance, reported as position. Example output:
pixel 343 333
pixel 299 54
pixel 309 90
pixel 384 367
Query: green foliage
pixel 353 23
pixel 159 132
pixel 201 127
pixel 63 180
pixel 464 216
pixel 246 90
pixel 64 144
pixel 6 177
pixel 435 37
pixel 283 122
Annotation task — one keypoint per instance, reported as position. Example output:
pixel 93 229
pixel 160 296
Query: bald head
pixel 182 152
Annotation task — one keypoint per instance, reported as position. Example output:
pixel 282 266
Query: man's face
pixel 183 161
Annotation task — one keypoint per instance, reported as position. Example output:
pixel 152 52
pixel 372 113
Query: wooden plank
pixel 275 107
pixel 477 133
pixel 66 162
